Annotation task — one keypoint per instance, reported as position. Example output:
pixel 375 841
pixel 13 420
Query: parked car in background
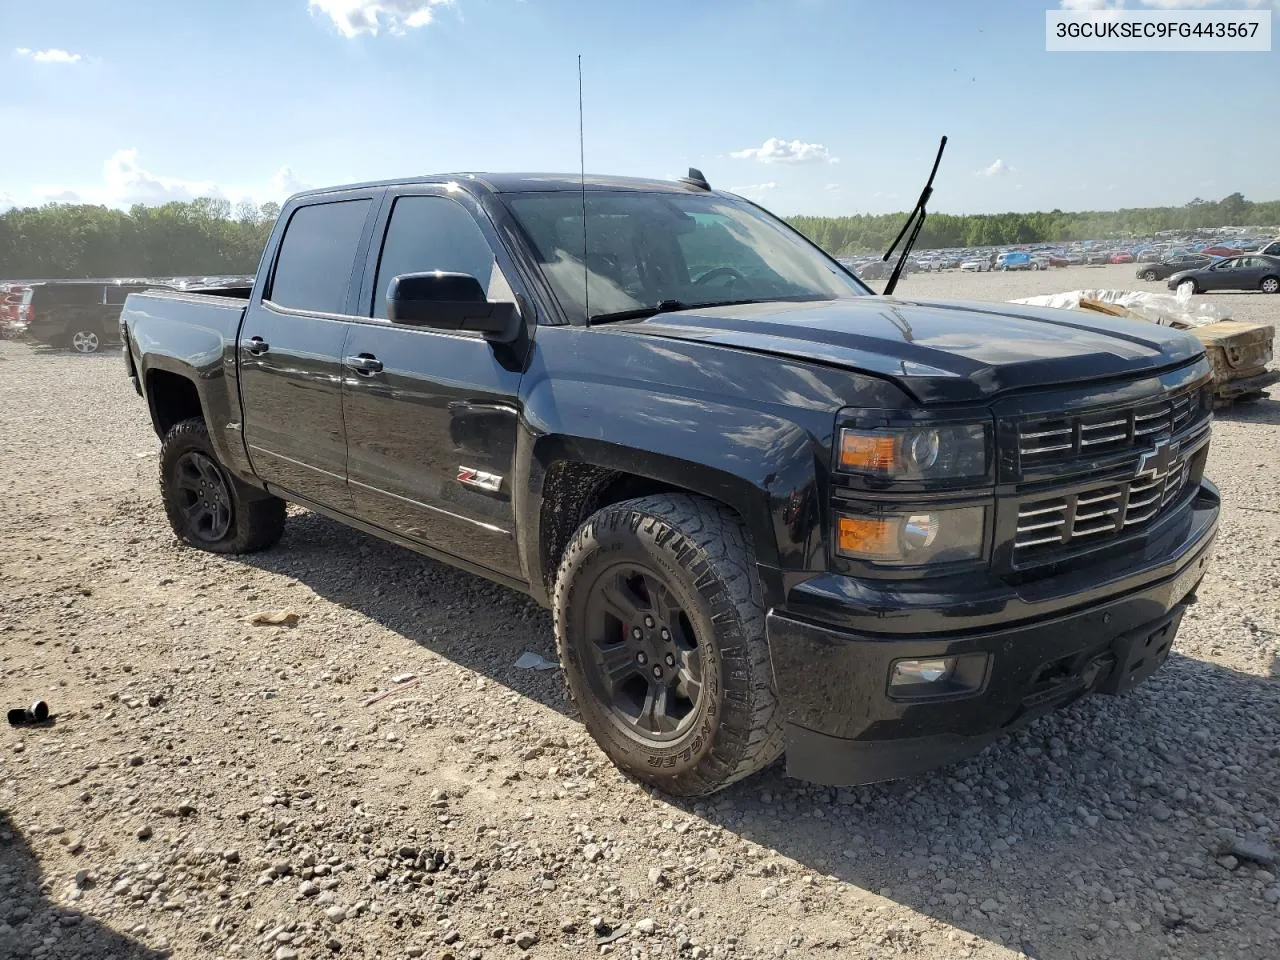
pixel 977 265
pixel 1272 249
pixel 1016 260
pixel 1253 272
pixel 14 298
pixel 1166 268
pixel 1122 256
pixel 873 270
pixel 1221 250
pixel 81 314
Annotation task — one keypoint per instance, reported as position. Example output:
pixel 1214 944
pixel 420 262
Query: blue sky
pixel 831 106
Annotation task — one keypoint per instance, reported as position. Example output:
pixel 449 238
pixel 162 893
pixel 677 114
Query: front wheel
pixel 1186 288
pixel 1270 285
pixel 207 507
pixel 1149 275
pixel 660 625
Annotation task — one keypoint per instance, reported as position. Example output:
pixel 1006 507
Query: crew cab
pixel 771 511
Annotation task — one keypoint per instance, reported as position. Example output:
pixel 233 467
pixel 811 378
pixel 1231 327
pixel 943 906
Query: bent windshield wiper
pixel 675 306
pixel 917 217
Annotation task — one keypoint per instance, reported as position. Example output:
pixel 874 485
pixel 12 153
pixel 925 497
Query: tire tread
pixel 710 542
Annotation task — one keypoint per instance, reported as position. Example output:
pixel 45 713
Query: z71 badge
pixel 488 482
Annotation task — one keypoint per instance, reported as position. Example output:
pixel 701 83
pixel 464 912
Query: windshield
pixel 676 250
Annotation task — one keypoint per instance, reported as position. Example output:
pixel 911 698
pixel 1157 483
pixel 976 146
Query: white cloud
pixel 833 187
pixel 777 150
pixel 7 202
pixel 283 184
pixel 754 190
pixel 126 182
pixel 997 169
pixel 354 17
pixel 52 55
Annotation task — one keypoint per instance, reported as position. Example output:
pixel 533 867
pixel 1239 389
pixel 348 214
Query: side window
pixel 317 253
pixel 435 233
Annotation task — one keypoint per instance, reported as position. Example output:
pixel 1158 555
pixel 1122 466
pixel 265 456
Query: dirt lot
pixel 216 789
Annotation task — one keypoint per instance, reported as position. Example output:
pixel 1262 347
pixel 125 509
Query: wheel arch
pixel 171 398
pixel 573 477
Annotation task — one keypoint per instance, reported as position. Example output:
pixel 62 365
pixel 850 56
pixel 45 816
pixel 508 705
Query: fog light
pixel 937 676
pixel 906 672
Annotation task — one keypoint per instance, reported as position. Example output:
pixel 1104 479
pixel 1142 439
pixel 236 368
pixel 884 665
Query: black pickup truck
pixel 769 509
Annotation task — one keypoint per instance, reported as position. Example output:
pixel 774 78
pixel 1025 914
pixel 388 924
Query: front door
pixel 290 351
pixel 431 416
pixel 1224 275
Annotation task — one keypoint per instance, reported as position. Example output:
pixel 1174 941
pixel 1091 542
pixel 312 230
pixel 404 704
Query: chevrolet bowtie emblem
pixel 1159 458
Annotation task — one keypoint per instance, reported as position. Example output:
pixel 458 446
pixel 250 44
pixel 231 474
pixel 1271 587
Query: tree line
pixel 873 233
pixel 207 237
pixel 201 237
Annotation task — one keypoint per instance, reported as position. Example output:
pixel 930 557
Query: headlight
pixel 927 452
pixel 913 538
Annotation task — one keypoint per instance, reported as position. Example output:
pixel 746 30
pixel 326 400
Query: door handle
pixel 256 346
pixel 365 364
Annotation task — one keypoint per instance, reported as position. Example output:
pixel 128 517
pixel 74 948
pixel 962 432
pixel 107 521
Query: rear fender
pixel 174 339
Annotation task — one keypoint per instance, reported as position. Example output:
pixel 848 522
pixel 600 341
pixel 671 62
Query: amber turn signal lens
pixel 869 537
pixel 866 453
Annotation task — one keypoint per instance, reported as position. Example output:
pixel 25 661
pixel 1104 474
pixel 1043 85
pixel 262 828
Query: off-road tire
pixel 703 553
pixel 257 518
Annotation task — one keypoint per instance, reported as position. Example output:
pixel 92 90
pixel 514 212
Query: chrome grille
pixel 1109 509
pixel 1055 440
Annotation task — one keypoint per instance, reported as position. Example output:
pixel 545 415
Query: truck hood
pixel 939 351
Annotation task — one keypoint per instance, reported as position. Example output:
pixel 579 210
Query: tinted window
pixel 115 296
pixel 72 294
pixel 435 233
pixel 316 256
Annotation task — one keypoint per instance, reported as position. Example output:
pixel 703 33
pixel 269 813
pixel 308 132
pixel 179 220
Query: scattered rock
pixel 526 939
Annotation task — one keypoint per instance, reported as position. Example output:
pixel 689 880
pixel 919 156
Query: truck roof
pixel 524 183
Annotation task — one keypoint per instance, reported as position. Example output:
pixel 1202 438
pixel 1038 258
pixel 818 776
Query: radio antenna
pixel 582 182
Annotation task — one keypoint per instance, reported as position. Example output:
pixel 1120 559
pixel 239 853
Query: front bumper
pixel 1103 628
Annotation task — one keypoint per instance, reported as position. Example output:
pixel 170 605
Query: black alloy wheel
pixel 203 497
pixel 644 663
pixel 660 625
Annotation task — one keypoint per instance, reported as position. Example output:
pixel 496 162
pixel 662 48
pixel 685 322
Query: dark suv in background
pixel 81 314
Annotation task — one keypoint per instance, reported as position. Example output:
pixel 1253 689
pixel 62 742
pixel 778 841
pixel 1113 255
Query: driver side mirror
pixel 451 301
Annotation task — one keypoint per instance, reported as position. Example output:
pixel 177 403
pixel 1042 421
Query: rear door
pixel 1250 272
pixel 290 350
pixel 431 415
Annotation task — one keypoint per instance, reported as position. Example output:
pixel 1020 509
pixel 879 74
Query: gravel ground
pixel 213 788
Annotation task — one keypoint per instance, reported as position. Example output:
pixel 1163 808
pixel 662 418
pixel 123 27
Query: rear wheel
pixel 207 507
pixel 660 625
pixel 85 341
pixel 1270 285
